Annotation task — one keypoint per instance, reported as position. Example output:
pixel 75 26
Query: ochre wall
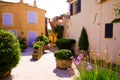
pixel 20 19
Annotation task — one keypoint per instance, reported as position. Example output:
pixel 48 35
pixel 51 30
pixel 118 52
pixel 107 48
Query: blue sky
pixel 52 7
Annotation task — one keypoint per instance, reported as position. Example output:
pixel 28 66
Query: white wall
pixel 93 17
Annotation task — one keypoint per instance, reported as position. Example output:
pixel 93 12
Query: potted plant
pixel 9 52
pixel 63 58
pixel 66 44
pixel 45 40
pixel 38 50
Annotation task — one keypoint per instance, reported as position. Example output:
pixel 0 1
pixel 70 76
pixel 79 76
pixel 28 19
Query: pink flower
pixel 89 67
pixel 77 62
pixel 97 54
pixel 73 59
pixel 111 60
pixel 80 57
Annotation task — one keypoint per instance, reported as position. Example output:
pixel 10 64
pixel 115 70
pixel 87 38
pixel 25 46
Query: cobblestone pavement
pixel 43 69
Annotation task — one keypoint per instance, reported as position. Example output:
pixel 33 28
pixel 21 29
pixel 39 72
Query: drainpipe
pixel 100 27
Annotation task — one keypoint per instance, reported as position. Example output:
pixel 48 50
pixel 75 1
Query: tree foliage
pixel 59 30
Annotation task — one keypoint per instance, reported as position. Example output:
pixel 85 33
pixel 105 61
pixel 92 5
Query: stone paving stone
pixel 43 69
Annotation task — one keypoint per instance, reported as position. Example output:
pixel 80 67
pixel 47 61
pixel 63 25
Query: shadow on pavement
pixel 27 52
pixel 62 73
pixel 33 60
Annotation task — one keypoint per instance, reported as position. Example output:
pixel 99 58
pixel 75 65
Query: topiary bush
pixel 43 38
pixel 9 51
pixel 35 46
pixel 83 40
pixel 63 54
pixel 38 44
pixel 65 43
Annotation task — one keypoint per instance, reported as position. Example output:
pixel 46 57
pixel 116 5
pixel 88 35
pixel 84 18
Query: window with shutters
pixel 32 17
pixel 71 9
pixel 7 19
pixel 108 30
pixel 75 7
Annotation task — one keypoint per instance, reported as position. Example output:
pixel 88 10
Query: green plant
pixel 65 43
pixel 83 40
pixel 43 38
pixel 23 44
pixel 38 44
pixel 94 71
pixel 63 54
pixel 100 74
pixel 117 13
pixel 9 51
pixel 59 30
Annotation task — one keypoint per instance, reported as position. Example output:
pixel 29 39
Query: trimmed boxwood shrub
pixel 43 38
pixel 38 44
pixel 65 43
pixel 35 46
pixel 63 54
pixel 9 51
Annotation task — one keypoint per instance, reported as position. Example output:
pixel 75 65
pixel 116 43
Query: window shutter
pixel 32 17
pixel 71 9
pixel 108 30
pixel 7 19
pixel 79 6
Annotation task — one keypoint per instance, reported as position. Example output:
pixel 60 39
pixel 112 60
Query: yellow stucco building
pixel 24 20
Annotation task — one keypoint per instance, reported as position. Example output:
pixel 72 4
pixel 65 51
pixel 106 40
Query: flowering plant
pixel 92 71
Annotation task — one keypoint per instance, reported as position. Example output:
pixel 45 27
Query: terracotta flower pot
pixel 63 64
pixel 5 74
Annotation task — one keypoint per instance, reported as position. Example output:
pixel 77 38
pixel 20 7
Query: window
pixel 78 6
pixel 109 30
pixel 75 7
pixel 32 17
pixel 71 9
pixel 7 19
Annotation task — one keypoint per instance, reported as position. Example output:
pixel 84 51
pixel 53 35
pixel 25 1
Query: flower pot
pixel 36 56
pixel 63 64
pixel 5 74
pixel 36 50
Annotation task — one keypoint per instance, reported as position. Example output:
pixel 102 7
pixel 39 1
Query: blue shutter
pixel 7 21
pixel 71 9
pixel 32 17
pixel 79 6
